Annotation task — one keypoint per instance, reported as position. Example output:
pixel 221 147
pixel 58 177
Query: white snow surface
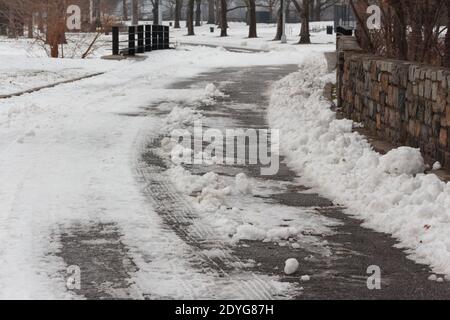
pixel 389 192
pixel 238 36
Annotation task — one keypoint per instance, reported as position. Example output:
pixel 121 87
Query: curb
pixel 20 93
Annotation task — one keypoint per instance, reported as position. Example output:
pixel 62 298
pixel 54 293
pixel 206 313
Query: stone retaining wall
pixel 402 102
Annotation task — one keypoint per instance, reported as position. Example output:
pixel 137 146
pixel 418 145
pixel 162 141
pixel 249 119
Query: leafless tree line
pixel 46 20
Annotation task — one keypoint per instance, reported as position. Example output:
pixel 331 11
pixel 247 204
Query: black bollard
pixel 140 34
pixel 131 40
pixel 148 38
pixel 115 41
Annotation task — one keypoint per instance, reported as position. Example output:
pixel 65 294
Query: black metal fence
pixel 140 39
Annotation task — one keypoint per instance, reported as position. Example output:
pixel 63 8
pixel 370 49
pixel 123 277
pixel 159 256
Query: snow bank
pixel 389 192
pixel 403 160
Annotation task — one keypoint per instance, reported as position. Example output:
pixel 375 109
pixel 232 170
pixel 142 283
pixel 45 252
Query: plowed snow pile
pixel 389 192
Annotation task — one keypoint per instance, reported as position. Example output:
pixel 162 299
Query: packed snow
pixel 391 192
pixel 291 266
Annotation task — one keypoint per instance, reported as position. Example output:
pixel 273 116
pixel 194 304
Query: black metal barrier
pixel 141 39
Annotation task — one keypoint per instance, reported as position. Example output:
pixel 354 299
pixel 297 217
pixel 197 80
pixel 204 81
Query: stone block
pixel 447 159
pixel 428 89
pixel 443 136
pixel 434 91
pixel 447 116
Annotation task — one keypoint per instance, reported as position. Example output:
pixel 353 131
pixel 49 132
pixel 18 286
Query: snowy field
pixel 238 36
pixel 24 63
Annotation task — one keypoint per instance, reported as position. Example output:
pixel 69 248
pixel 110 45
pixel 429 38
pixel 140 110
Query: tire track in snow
pixel 179 215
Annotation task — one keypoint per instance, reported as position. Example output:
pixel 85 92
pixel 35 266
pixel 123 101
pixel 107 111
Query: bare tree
pixel 135 11
pixel 305 37
pixel 178 5
pixel 447 38
pixel 124 10
pixel 410 30
pixel 198 13
pixel 223 18
pixel 190 17
pixel 279 25
pixel 211 12
pixel 155 11
pixel 252 19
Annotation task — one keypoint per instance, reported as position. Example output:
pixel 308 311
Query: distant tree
pixel 252 19
pixel 410 30
pixel 155 11
pixel 305 37
pixel 124 10
pixel 178 5
pixel 135 11
pixel 211 12
pixel 198 13
pixel 190 17
pixel 447 39
pixel 279 25
pixel 223 18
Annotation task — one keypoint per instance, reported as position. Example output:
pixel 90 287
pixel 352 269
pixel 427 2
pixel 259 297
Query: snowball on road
pixel 291 266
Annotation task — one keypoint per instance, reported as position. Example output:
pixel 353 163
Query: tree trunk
pixel 447 39
pixel 362 33
pixel 218 12
pixel 178 5
pixel 299 10
pixel 223 18
pixel 211 12
pixel 41 26
pixel 311 9
pixel 56 27
pixel 400 30
pixel 279 25
pixel 287 10
pixel 135 12
pixel 304 33
pixel 198 13
pixel 317 11
pixel 155 12
pixel 30 25
pixel 190 17
pixel 252 19
pixel 12 30
pixel 124 10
